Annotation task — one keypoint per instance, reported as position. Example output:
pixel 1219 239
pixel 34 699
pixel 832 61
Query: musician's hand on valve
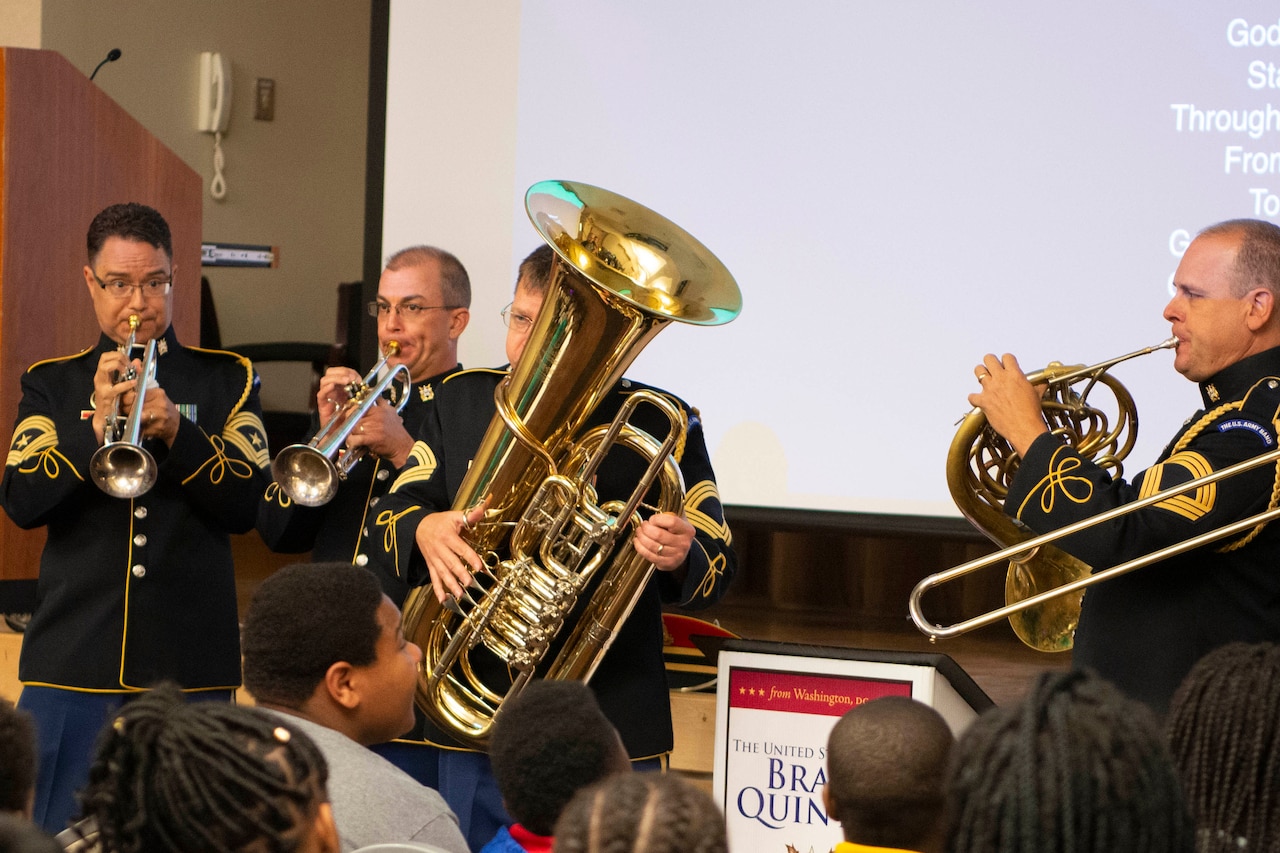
pixel 160 416
pixel 451 562
pixel 382 431
pixel 664 539
pixel 333 391
pixel 106 389
pixel 1010 402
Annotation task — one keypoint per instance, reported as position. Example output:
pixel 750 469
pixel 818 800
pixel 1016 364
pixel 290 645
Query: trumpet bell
pixel 306 475
pixel 123 470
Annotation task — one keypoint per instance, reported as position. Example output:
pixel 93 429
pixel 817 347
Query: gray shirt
pixel 374 801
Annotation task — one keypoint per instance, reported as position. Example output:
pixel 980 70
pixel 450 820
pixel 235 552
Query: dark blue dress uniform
pixel 630 682
pixel 339 531
pixel 1145 630
pixel 134 591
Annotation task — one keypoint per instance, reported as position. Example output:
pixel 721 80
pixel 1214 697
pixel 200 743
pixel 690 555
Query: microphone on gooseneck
pixel 112 56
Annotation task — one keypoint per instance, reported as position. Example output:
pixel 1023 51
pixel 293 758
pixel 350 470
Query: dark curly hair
pixel 303 619
pixel 641 813
pixel 1075 767
pixel 1224 732
pixel 17 757
pixel 131 221
pixel 205 776
pixel 549 741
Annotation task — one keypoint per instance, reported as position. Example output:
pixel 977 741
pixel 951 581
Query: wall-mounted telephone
pixel 214 108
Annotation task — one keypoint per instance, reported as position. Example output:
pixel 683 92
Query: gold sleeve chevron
pixel 35 448
pixel 1193 505
pixel 420 466
pixel 712 525
pixel 245 433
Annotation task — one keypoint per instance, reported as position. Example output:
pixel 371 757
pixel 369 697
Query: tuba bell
pixel 621 273
pixel 981 465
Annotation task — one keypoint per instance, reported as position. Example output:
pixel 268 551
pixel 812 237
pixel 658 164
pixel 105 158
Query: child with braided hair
pixel 641 813
pixel 1225 737
pixel 205 777
pixel 1076 767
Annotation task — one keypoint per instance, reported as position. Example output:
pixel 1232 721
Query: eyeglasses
pixel 407 310
pixel 515 322
pixel 119 289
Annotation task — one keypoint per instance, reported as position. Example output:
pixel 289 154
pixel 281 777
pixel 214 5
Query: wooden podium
pixel 67 151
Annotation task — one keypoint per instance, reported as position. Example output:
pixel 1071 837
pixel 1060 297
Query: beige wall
pixel 296 182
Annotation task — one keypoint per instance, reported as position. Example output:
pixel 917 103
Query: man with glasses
pixel 132 591
pixel 423 304
pixel 418 538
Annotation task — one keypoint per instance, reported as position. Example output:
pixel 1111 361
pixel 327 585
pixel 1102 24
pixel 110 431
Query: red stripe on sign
pixel 804 693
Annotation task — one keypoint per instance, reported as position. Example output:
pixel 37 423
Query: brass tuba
pixel 981 465
pixel 621 274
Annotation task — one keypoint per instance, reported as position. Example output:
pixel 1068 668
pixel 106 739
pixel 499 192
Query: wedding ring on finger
pixel 659 549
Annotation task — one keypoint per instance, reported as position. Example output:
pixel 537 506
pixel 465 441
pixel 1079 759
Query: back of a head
pixel 1224 732
pixel 887 760
pixel 17 758
pixel 205 776
pixel 1076 767
pixel 641 813
pixel 549 741
pixel 303 619
pixel 1257 261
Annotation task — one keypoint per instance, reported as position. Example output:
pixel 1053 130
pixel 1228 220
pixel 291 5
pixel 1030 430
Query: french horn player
pixel 1144 629
pixel 422 538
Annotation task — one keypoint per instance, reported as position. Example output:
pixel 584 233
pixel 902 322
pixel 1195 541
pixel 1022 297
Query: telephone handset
pixel 215 93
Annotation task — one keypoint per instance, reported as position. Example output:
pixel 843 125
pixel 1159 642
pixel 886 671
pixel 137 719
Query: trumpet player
pixel 423 305
pixel 1144 630
pixel 132 591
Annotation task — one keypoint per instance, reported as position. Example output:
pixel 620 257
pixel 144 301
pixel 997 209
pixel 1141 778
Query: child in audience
pixel 1076 767
pixel 886 761
pixel 641 813
pixel 205 777
pixel 549 741
pixel 1224 731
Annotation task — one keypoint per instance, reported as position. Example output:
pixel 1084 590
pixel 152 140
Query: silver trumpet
pixel 122 467
pixel 310 473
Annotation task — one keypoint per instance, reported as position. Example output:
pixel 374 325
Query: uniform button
pixel 383 474
pixel 374 501
pixel 140 540
pixel 366 532
pixel 140 512
pixel 139 571
pixel 362 560
pixel 1272 384
pixel 626 383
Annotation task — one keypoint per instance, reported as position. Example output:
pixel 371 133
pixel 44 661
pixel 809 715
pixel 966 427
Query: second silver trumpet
pixel 310 473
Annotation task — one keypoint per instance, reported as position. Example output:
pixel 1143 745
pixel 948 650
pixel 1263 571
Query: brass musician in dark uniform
pixel 418 537
pixel 1145 630
pixel 136 590
pixel 423 305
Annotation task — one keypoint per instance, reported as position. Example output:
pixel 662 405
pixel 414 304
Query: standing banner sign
pixel 775 707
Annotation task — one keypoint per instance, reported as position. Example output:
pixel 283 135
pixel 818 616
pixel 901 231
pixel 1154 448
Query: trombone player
pixel 1144 630
pixel 132 590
